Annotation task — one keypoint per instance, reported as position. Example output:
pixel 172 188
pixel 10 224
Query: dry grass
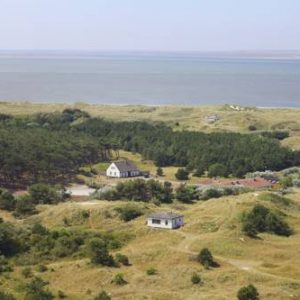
pixel 271 262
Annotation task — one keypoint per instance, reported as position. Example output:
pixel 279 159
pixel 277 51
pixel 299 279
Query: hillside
pixel 270 262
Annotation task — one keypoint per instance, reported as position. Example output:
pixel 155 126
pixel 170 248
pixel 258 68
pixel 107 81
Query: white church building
pixel 168 220
pixel 122 169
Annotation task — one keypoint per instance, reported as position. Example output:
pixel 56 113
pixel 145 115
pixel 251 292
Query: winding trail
pixel 244 265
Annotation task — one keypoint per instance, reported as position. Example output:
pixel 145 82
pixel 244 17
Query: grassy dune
pixel 270 262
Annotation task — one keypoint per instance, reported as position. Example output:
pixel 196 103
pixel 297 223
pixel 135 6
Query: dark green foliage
pixel 9 242
pixel 261 219
pixel 7 200
pixel 119 279
pixel 159 171
pixel 122 259
pixel 27 272
pixel 151 271
pixel 6 296
pixel 103 296
pixel 196 279
pixel 279 135
pixel 24 206
pixel 98 252
pixel 141 190
pixel 35 290
pixel 182 174
pixel 42 268
pixel 4 265
pixel 252 128
pixel 128 212
pixel 218 170
pixel 186 194
pixel 61 295
pixel 42 193
pixel 248 293
pixel 206 259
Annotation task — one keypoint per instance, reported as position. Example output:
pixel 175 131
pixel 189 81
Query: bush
pixel 119 279
pixel 252 128
pixel 217 170
pixel 42 193
pixel 6 296
pixel 159 171
pixel 196 279
pixel 35 290
pixel 128 212
pixel 103 296
pixel 97 250
pixel 122 259
pixel 182 174
pixel 261 219
pixel 7 200
pixel 248 293
pixel 151 271
pixel 27 272
pixel 206 259
pixel 186 194
pixel 61 295
pixel 4 265
pixel 24 207
pixel 42 268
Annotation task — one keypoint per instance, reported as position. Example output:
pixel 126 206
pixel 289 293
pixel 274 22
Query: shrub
pixel 206 259
pixel 217 170
pixel 61 295
pixel 261 219
pixel 182 174
pixel 252 128
pixel 6 296
pixel 248 293
pixel 159 171
pixel 42 268
pixel 128 212
pixel 97 250
pixel 122 259
pixel 24 206
pixel 196 279
pixel 119 279
pixel 42 193
pixel 7 200
pixel 27 272
pixel 35 290
pixel 151 271
pixel 103 296
pixel 4 265
pixel 186 194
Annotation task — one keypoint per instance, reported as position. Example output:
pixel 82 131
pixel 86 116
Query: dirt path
pixel 244 265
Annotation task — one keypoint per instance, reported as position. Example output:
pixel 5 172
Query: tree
pixel 217 170
pixel 97 250
pixel 185 194
pixel 248 293
pixel 159 171
pixel 7 200
pixel 196 279
pixel 103 296
pixel 35 290
pixel 206 259
pixel 43 193
pixel 6 296
pixel 182 174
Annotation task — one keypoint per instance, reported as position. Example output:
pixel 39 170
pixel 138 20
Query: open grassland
pixel 179 117
pixel 270 262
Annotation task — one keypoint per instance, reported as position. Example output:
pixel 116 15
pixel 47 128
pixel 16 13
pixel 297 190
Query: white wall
pixel 171 223
pixel 113 171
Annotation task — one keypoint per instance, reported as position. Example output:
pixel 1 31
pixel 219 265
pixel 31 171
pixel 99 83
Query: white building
pixel 120 169
pixel 167 220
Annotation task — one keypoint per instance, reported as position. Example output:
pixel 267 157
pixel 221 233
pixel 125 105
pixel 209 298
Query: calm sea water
pixel 128 78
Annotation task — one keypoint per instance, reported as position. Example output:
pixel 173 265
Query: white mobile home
pixel 167 220
pixel 121 169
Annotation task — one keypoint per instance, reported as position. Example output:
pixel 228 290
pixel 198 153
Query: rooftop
pixel 126 166
pixel 165 215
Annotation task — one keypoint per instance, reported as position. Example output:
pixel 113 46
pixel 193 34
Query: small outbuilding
pixel 168 220
pixel 121 169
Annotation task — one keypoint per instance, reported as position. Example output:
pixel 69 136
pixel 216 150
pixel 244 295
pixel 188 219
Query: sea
pixel 151 78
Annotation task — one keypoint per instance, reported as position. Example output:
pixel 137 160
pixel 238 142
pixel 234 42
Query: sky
pixel 150 25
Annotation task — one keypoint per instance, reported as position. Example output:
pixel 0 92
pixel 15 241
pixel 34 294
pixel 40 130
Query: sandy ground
pixel 80 190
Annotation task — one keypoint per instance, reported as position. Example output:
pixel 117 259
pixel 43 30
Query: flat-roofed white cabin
pixel 168 220
pixel 121 169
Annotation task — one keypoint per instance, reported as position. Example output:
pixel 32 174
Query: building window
pixel 166 222
pixel 155 221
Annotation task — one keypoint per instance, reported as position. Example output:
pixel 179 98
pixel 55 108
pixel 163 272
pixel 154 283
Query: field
pixel 270 262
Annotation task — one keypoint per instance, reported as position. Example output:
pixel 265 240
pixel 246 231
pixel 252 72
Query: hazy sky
pixel 196 25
